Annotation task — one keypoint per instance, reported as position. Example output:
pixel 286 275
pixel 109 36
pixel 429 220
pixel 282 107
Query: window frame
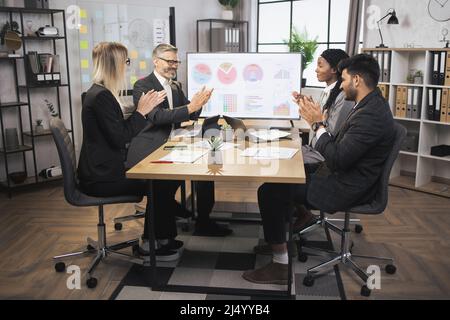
pixel 328 43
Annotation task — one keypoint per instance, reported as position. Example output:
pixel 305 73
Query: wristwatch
pixel 316 125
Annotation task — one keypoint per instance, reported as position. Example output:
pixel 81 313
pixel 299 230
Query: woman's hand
pixel 310 110
pixel 149 101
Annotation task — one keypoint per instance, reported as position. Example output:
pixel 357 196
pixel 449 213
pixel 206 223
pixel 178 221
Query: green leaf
pixel 300 42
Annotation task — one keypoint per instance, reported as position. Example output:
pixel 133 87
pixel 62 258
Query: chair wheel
pixel 118 226
pixel 302 257
pixel 89 247
pixel 358 228
pixel 60 266
pixel 308 281
pixel 91 283
pixel 390 268
pixel 365 291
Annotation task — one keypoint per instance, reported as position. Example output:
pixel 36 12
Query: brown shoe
pixel 266 249
pixel 304 220
pixel 273 273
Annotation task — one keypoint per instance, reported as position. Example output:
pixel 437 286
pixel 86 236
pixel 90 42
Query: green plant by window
pixel 300 42
pixel 229 4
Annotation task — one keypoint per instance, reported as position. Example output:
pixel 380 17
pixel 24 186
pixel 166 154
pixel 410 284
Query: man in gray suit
pixel 175 109
pixel 354 160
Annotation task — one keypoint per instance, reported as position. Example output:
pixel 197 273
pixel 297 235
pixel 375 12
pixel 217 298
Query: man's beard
pixel 350 94
pixel 171 72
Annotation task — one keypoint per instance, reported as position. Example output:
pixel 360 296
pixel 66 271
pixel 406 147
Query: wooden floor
pixel 38 224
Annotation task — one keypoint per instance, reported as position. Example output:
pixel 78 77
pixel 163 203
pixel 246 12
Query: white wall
pixel 415 27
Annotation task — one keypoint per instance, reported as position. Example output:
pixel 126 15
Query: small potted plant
pixel 418 77
pixel 300 42
pixel 227 13
pixel 227 132
pixel 215 155
pixel 39 126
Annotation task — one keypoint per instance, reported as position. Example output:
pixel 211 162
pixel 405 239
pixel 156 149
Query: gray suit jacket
pixel 354 158
pixel 159 120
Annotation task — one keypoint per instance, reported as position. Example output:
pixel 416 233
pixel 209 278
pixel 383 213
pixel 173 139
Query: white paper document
pixel 269 153
pixel 205 145
pixel 183 133
pixel 184 156
pixel 269 135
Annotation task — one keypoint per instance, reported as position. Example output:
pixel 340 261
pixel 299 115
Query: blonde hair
pixel 109 62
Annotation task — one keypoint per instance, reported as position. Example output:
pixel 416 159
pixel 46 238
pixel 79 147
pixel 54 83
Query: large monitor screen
pixel 246 85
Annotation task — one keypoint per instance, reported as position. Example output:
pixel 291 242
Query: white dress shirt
pixel 166 85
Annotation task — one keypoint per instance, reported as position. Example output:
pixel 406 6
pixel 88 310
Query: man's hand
pixel 149 101
pixel 199 100
pixel 310 110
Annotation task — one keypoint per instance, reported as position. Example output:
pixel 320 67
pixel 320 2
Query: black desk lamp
pixel 392 20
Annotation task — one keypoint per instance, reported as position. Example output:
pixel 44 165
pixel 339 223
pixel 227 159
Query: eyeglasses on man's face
pixel 128 61
pixel 170 62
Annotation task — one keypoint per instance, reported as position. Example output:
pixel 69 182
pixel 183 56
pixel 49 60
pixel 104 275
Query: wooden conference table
pixel 235 168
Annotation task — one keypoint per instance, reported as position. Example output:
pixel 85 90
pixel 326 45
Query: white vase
pixel 227 14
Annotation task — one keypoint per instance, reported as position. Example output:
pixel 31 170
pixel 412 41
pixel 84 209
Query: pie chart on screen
pixel 227 73
pixel 253 73
pixel 201 73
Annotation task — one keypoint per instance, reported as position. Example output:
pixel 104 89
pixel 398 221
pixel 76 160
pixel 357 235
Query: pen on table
pixel 161 161
pixel 175 147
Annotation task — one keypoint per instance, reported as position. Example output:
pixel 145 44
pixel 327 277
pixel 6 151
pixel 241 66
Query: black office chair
pixel 76 197
pixel 377 206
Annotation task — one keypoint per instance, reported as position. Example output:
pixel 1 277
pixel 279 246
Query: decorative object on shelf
pixel 442 150
pixel 444 33
pixel 47 31
pixel 11 139
pixel 215 155
pixel 410 77
pixel 53 171
pixel 300 42
pixel 418 77
pixel 392 20
pixel 439 10
pixel 18 177
pixel 10 36
pixel 51 109
pixel 29 30
pixel 227 14
pixel 39 126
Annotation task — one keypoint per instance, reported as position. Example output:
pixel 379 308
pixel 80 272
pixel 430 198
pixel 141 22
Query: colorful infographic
pixel 246 85
pixel 226 73
pixel 201 73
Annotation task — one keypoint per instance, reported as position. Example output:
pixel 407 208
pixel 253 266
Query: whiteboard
pixel 246 85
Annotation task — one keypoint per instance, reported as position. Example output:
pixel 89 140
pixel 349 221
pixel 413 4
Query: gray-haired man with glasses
pixel 175 109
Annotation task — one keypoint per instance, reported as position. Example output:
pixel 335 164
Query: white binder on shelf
pixel 409 105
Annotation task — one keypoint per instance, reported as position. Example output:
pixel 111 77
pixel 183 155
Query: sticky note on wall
pixel 84 64
pixel 84 44
pixel 134 54
pixel 83 29
pixel 83 13
pixel 85 78
pixel 142 65
pixel 133 79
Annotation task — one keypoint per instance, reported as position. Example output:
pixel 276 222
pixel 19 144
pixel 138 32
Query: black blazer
pixel 160 119
pixel 105 135
pixel 354 158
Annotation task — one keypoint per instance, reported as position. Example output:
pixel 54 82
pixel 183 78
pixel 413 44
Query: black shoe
pixel 211 229
pixel 163 254
pixel 175 245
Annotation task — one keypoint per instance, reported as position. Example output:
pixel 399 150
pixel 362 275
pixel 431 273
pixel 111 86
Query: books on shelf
pixel 439 68
pixel 225 39
pixel 408 102
pixel 384 88
pixel 438 104
pixel 42 68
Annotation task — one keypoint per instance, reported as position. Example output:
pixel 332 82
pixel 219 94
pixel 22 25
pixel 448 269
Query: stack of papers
pixel 184 156
pixel 269 135
pixel 269 153
pixel 183 133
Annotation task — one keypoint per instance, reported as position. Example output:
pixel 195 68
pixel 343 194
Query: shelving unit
pixel 29 140
pixel 232 42
pixel 418 170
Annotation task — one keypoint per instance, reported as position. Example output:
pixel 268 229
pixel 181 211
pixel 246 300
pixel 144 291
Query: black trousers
pixel 165 205
pixel 276 202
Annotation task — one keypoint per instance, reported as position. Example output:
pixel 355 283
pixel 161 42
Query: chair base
pixel 344 257
pixel 101 251
pixel 323 221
